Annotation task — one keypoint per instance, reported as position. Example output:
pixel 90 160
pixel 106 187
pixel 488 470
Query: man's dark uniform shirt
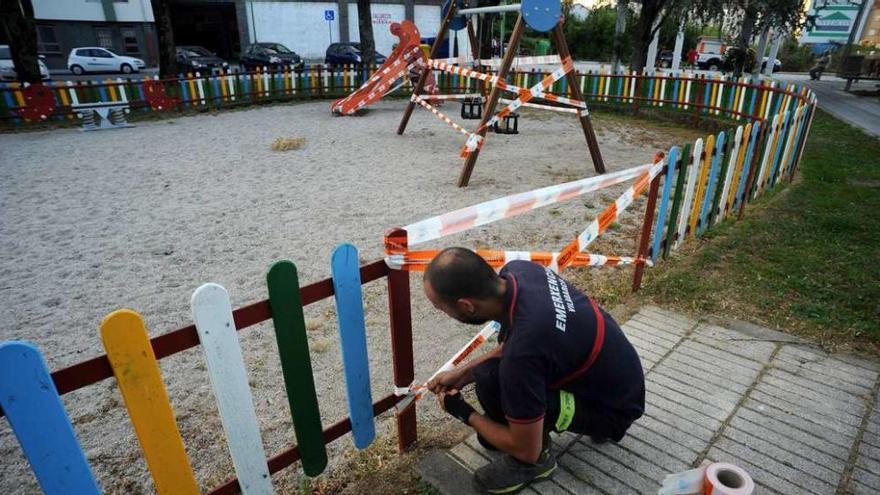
pixel 548 334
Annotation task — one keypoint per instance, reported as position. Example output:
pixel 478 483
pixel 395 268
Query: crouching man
pixel 561 364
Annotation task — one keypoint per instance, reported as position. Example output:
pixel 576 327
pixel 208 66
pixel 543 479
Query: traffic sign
pixel 329 15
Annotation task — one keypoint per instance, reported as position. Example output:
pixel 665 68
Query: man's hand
pixel 456 406
pixel 446 381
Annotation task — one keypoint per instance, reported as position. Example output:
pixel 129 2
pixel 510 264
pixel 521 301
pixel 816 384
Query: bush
pixel 795 57
pixel 736 57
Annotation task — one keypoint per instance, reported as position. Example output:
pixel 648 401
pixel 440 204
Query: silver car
pixel 97 59
pixel 7 68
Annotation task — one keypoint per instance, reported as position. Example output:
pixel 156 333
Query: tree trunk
pixel 484 29
pixel 744 38
pixel 619 30
pixel 644 32
pixel 17 18
pixel 365 29
pixel 165 34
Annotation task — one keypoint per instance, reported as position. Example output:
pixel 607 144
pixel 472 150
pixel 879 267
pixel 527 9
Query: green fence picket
pixel 677 199
pixel 293 348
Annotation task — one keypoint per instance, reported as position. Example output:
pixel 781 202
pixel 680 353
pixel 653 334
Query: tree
pixel 753 16
pixel 365 29
pixel 646 26
pixel 165 33
pixel 17 18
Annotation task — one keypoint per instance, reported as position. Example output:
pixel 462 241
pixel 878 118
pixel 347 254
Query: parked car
pixel 777 64
pixel 710 53
pixel 271 55
pixel 348 54
pixel 664 58
pixel 198 58
pixel 97 59
pixel 7 68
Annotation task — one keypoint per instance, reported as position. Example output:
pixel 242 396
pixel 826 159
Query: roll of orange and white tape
pixel 727 479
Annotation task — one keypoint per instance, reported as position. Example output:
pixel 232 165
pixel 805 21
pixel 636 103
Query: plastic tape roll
pixel 727 479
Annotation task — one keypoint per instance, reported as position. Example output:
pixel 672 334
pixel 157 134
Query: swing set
pixel 539 15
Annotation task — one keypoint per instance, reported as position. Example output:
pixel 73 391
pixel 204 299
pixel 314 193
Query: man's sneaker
pixel 506 475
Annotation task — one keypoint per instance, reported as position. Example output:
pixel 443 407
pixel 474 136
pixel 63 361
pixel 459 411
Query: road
pixel 860 111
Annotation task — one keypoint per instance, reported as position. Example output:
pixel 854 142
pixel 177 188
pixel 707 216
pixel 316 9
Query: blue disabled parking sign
pixel 329 15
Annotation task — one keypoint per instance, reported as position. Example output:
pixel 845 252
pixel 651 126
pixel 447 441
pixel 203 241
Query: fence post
pixel 637 92
pixel 646 227
pixel 698 103
pixel 400 313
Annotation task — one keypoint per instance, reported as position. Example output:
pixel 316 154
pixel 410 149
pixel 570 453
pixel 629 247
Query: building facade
pixel 225 27
pixel 871 33
pixel 306 27
pixel 123 26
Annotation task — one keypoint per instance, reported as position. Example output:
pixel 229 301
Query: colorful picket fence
pixel 30 394
pixel 692 188
pixel 702 183
pixel 717 95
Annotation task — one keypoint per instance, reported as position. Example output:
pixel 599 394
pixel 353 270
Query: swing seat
pixel 472 108
pixel 511 124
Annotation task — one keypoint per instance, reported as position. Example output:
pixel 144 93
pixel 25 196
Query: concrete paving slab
pixel 797 419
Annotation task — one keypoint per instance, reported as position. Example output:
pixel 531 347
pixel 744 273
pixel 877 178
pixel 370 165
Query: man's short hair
pixel 457 273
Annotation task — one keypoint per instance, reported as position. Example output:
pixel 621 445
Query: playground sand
pixel 139 218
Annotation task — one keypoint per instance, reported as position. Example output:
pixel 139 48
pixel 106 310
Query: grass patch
pixel 803 259
pixel 288 143
pixel 379 469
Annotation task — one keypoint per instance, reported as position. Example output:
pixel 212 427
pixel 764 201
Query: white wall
pixel 383 16
pixel 91 10
pixel 299 26
pixel 427 19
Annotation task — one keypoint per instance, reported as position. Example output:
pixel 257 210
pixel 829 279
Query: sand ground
pixel 139 218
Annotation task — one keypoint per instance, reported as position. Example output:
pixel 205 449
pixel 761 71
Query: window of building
pixel 104 37
pixel 130 41
pixel 47 42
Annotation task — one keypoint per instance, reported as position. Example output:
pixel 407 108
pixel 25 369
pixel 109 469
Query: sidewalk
pixel 860 111
pixel 797 419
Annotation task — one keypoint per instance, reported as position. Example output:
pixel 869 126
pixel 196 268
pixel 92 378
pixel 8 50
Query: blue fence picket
pixel 713 181
pixel 38 419
pixel 664 201
pixel 353 339
pixel 747 162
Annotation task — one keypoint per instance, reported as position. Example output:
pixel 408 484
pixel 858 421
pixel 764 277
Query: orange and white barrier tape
pixel 536 91
pixel 418 261
pixel 462 71
pixel 455 97
pixel 583 111
pixel 540 60
pixel 610 214
pixel 509 206
pixel 410 58
pixel 475 140
pixel 442 116
pixel 496 62
pixel 416 393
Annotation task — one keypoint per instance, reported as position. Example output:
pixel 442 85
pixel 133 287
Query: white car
pixel 97 59
pixel 7 68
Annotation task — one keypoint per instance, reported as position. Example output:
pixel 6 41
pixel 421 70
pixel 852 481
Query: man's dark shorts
pixel 588 419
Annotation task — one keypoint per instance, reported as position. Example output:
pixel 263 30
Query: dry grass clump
pixel 288 143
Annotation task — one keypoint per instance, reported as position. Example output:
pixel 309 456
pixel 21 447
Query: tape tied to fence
pixel 415 393
pixel 397 245
pixel 418 261
pixel 509 206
